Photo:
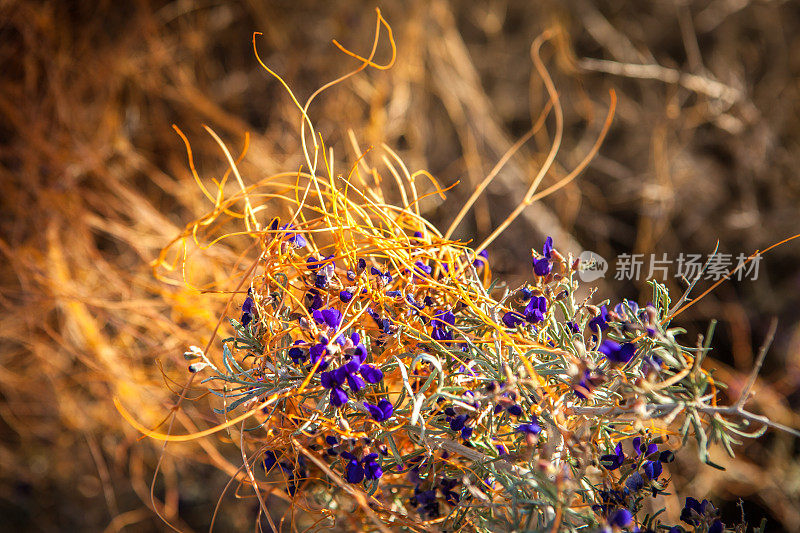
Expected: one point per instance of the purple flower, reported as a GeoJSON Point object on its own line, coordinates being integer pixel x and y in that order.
{"type": "Point", "coordinates": [338, 397]}
{"type": "Point", "coordinates": [652, 469]}
{"type": "Point", "coordinates": [638, 448]}
{"type": "Point", "coordinates": [269, 460]}
{"type": "Point", "coordinates": [586, 385]}
{"type": "Point", "coordinates": [330, 379]}
{"type": "Point", "coordinates": [359, 351]}
{"type": "Point", "coordinates": [345, 296]}
{"type": "Point", "coordinates": [247, 305]}
{"type": "Point", "coordinates": [620, 518]}
{"type": "Point", "coordinates": [530, 428]}
{"type": "Point", "coordinates": [384, 324]}
{"type": "Point", "coordinates": [666, 456]}
{"type": "Point", "coordinates": [542, 267]}
{"type": "Point", "coordinates": [332, 443]}
{"type": "Point", "coordinates": [694, 513]}
{"type": "Point", "coordinates": [515, 410]}
{"type": "Point", "coordinates": [371, 374]}
{"type": "Point", "coordinates": [621, 309]}
{"type": "Point", "coordinates": [615, 460]}
{"type": "Point", "coordinates": [318, 352]}
{"type": "Point", "coordinates": [381, 412]}
{"type": "Point", "coordinates": [314, 264]}
{"type": "Point", "coordinates": [440, 321]}
{"type": "Point", "coordinates": [354, 473]}
{"type": "Point", "coordinates": [313, 300]}
{"type": "Point", "coordinates": [334, 379]}
{"type": "Point", "coordinates": [354, 381]}
{"type": "Point", "coordinates": [616, 352]}
{"type": "Point", "coordinates": [442, 318]}
{"type": "Point", "coordinates": [425, 502]}
{"type": "Point", "coordinates": [415, 304]}
{"type": "Point", "coordinates": [330, 317]}
{"type": "Point", "coordinates": [372, 469]}
{"type": "Point", "coordinates": [535, 310]}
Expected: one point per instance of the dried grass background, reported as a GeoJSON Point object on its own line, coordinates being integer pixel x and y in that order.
{"type": "Point", "coordinates": [705, 147]}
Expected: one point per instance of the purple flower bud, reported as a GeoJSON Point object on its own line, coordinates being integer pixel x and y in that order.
{"type": "Point", "coordinates": [247, 305]}
{"type": "Point", "coordinates": [512, 319]}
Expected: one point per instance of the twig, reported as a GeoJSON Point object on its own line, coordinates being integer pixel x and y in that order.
{"type": "Point", "coordinates": [664, 409]}
{"type": "Point", "coordinates": [693, 82]}
{"type": "Point", "coordinates": [762, 353]}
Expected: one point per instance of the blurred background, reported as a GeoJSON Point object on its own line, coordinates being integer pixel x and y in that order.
{"type": "Point", "coordinates": [704, 148]}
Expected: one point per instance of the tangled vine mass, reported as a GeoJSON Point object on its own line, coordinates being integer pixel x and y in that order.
{"type": "Point", "coordinates": [377, 376]}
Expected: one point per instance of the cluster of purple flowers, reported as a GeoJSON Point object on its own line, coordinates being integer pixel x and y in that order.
{"type": "Point", "coordinates": [695, 513]}
{"type": "Point", "coordinates": [356, 470]}
{"type": "Point", "coordinates": [426, 501]}
{"type": "Point", "coordinates": [533, 312]}
{"type": "Point", "coordinates": [349, 373]}
{"type": "Point", "coordinates": [652, 467]}
{"type": "Point", "coordinates": [368, 468]}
